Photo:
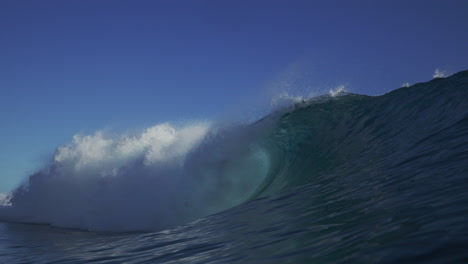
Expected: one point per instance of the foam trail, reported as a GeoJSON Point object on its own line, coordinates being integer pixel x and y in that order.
{"type": "Point", "coordinates": [163, 177]}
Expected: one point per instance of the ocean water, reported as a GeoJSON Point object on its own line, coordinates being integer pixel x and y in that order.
{"type": "Point", "coordinates": [332, 179]}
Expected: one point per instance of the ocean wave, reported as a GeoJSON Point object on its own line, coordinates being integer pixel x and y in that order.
{"type": "Point", "coordinates": [170, 175]}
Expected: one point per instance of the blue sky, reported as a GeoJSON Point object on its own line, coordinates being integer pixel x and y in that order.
{"type": "Point", "coordinates": [70, 67]}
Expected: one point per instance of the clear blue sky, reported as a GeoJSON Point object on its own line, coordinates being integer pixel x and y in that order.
{"type": "Point", "coordinates": [77, 66]}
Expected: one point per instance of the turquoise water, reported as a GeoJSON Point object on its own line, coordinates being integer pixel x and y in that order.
{"type": "Point", "coordinates": [346, 179]}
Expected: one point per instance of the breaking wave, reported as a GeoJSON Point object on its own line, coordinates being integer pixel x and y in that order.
{"type": "Point", "coordinates": [163, 177]}
{"type": "Point", "coordinates": [170, 175]}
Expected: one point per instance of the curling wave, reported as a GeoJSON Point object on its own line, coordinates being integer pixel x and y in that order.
{"type": "Point", "coordinates": [167, 176]}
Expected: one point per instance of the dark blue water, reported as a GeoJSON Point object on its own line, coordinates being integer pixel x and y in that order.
{"type": "Point", "coordinates": [350, 179]}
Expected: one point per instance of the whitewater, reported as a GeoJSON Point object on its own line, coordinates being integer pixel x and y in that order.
{"type": "Point", "coordinates": [336, 178]}
{"type": "Point", "coordinates": [163, 177]}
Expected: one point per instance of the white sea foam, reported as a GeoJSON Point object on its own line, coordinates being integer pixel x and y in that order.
{"type": "Point", "coordinates": [439, 74]}
{"type": "Point", "coordinates": [337, 91]}
{"type": "Point", "coordinates": [4, 199]}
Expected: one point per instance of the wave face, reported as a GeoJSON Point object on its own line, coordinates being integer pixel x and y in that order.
{"type": "Point", "coordinates": [411, 134]}
{"type": "Point", "coordinates": [382, 157]}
